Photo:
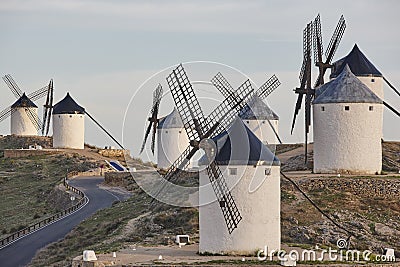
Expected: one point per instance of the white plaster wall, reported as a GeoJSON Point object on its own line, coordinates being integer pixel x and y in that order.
{"type": "Point", "coordinates": [69, 131]}
{"type": "Point", "coordinates": [263, 130]}
{"type": "Point", "coordinates": [21, 124]}
{"type": "Point", "coordinates": [260, 210]}
{"type": "Point", "coordinates": [373, 83]}
{"type": "Point", "coordinates": [348, 141]}
{"type": "Point", "coordinates": [171, 142]}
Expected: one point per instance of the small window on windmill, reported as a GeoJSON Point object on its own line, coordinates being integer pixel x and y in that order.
{"type": "Point", "coordinates": [232, 171]}
{"type": "Point", "coordinates": [323, 108]}
{"type": "Point", "coordinates": [371, 108]}
{"type": "Point", "coordinates": [180, 131]}
{"type": "Point", "coordinates": [346, 107]}
{"type": "Point", "coordinates": [267, 171]}
{"type": "Point", "coordinates": [263, 122]}
{"type": "Point", "coordinates": [247, 121]}
{"type": "Point", "coordinates": [59, 116]}
{"type": "Point", "coordinates": [166, 131]}
{"type": "Point", "coordinates": [70, 116]}
{"type": "Point", "coordinates": [372, 80]}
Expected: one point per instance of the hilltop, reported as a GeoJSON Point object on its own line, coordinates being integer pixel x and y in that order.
{"type": "Point", "coordinates": [366, 206]}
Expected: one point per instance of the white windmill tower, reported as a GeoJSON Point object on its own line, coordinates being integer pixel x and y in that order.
{"type": "Point", "coordinates": [68, 124]}
{"type": "Point", "coordinates": [238, 218]}
{"type": "Point", "coordinates": [362, 68]}
{"type": "Point", "coordinates": [253, 174]}
{"type": "Point", "coordinates": [24, 112]}
{"type": "Point", "coordinates": [171, 139]}
{"type": "Point", "coordinates": [348, 120]}
{"type": "Point", "coordinates": [260, 118]}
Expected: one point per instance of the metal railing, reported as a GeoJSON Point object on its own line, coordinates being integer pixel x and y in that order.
{"type": "Point", "coordinates": [49, 220]}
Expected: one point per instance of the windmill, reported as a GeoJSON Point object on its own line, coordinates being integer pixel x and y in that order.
{"type": "Point", "coordinates": [199, 130]}
{"type": "Point", "coordinates": [310, 33]}
{"type": "Point", "coordinates": [153, 119]}
{"type": "Point", "coordinates": [33, 117]}
{"type": "Point", "coordinates": [222, 84]}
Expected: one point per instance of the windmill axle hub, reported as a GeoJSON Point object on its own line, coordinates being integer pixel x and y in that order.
{"type": "Point", "coordinates": [194, 143]}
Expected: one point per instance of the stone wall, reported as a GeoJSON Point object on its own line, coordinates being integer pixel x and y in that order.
{"type": "Point", "coordinates": [113, 153]}
{"type": "Point", "coordinates": [23, 153]}
{"type": "Point", "coordinates": [115, 178]}
{"type": "Point", "coordinates": [386, 188]}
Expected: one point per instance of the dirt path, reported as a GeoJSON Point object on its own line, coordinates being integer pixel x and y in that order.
{"type": "Point", "coordinates": [284, 157]}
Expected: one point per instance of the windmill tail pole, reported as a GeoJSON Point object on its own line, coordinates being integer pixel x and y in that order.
{"type": "Point", "coordinates": [391, 86]}
{"type": "Point", "coordinates": [101, 127]}
{"type": "Point", "coordinates": [273, 129]}
{"type": "Point", "coordinates": [391, 108]}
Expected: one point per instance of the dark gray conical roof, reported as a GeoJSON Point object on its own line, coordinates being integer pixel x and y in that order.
{"type": "Point", "coordinates": [172, 120]}
{"type": "Point", "coordinates": [23, 102]}
{"type": "Point", "coordinates": [346, 88]}
{"type": "Point", "coordinates": [358, 63]}
{"type": "Point", "coordinates": [256, 109]}
{"type": "Point", "coordinates": [239, 146]}
{"type": "Point", "coordinates": [68, 106]}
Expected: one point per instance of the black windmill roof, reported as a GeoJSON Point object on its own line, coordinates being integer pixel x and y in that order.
{"type": "Point", "coordinates": [346, 88]}
{"type": "Point", "coordinates": [358, 63]}
{"type": "Point", "coordinates": [239, 146]}
{"type": "Point", "coordinates": [68, 106]}
{"type": "Point", "coordinates": [23, 102]}
{"type": "Point", "coordinates": [256, 109]}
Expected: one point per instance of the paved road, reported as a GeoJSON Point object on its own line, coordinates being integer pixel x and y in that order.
{"type": "Point", "coordinates": [21, 252]}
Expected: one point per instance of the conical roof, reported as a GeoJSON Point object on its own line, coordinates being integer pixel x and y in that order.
{"type": "Point", "coordinates": [68, 106]}
{"type": "Point", "coordinates": [358, 63]}
{"type": "Point", "coordinates": [23, 102]}
{"type": "Point", "coordinates": [256, 109]}
{"type": "Point", "coordinates": [346, 88]}
{"type": "Point", "coordinates": [172, 120]}
{"type": "Point", "coordinates": [239, 146]}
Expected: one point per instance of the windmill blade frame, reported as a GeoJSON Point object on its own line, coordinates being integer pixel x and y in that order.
{"type": "Point", "coordinates": [8, 79]}
{"type": "Point", "coordinates": [34, 118]}
{"type": "Point", "coordinates": [153, 119]}
{"type": "Point", "coordinates": [48, 107]}
{"type": "Point", "coordinates": [157, 96]}
{"type": "Point", "coordinates": [222, 84]}
{"type": "Point", "coordinates": [227, 204]}
{"type": "Point", "coordinates": [332, 47]}
{"type": "Point", "coordinates": [186, 103]}
{"type": "Point", "coordinates": [38, 94]}
{"type": "Point", "coordinates": [305, 72]}
{"type": "Point", "coordinates": [5, 113]}
{"type": "Point", "coordinates": [317, 40]}
{"type": "Point", "coordinates": [335, 40]}
{"type": "Point", "coordinates": [268, 87]}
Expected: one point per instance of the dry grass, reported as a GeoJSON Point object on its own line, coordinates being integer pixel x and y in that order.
{"type": "Point", "coordinates": [29, 188]}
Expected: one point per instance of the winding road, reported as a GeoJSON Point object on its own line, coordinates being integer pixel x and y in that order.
{"type": "Point", "coordinates": [22, 251]}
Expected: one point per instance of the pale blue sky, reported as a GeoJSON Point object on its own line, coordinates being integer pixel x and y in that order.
{"type": "Point", "coordinates": [102, 51]}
